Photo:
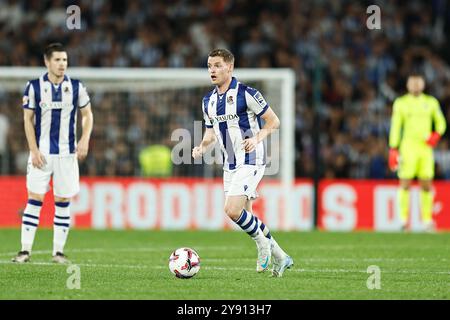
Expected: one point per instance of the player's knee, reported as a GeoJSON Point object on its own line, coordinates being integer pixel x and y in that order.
{"type": "Point", "coordinates": [59, 199]}
{"type": "Point", "coordinates": [36, 196]}
{"type": "Point", "coordinates": [405, 185]}
{"type": "Point", "coordinates": [232, 211]}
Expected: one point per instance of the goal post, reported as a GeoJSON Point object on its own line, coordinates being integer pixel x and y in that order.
{"type": "Point", "coordinates": [163, 92]}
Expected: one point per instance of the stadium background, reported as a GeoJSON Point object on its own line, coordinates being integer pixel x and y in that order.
{"type": "Point", "coordinates": [362, 72]}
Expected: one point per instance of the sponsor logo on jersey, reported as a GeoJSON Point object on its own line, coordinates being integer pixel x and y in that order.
{"type": "Point", "coordinates": [55, 105]}
{"type": "Point", "coordinates": [226, 117]}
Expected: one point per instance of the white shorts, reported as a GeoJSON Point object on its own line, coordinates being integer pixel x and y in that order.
{"type": "Point", "coordinates": [64, 170]}
{"type": "Point", "coordinates": [243, 181]}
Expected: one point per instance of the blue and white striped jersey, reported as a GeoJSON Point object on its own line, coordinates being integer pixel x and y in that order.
{"type": "Point", "coordinates": [55, 108]}
{"type": "Point", "coordinates": [235, 116]}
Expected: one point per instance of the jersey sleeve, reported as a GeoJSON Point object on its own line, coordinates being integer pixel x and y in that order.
{"type": "Point", "coordinates": [440, 124]}
{"type": "Point", "coordinates": [256, 101]}
{"type": "Point", "coordinates": [396, 125]}
{"type": "Point", "coordinates": [83, 96]}
{"type": "Point", "coordinates": [206, 119]}
{"type": "Point", "coordinates": [28, 101]}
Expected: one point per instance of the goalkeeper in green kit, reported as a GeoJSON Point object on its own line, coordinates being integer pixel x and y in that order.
{"type": "Point", "coordinates": [417, 124]}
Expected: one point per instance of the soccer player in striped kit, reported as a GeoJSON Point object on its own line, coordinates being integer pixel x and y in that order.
{"type": "Point", "coordinates": [50, 105]}
{"type": "Point", "coordinates": [232, 115]}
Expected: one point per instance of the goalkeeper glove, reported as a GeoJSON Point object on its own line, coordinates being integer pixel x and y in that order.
{"type": "Point", "coordinates": [433, 139]}
{"type": "Point", "coordinates": [393, 159]}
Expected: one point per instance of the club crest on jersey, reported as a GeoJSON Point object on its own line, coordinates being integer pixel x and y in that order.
{"type": "Point", "coordinates": [230, 100]}
{"type": "Point", "coordinates": [66, 90]}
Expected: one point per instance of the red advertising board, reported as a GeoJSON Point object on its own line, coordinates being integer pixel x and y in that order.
{"type": "Point", "coordinates": [372, 205]}
{"type": "Point", "coordinates": [184, 203]}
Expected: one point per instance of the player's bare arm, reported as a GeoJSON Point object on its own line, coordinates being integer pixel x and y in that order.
{"type": "Point", "coordinates": [37, 158]}
{"type": "Point", "coordinates": [271, 123]}
{"type": "Point", "coordinates": [87, 121]}
{"type": "Point", "coordinates": [208, 138]}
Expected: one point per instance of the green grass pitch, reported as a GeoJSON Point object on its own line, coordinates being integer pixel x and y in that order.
{"type": "Point", "coordinates": [134, 265]}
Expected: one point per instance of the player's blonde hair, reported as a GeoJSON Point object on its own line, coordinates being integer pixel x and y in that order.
{"type": "Point", "coordinates": [227, 56]}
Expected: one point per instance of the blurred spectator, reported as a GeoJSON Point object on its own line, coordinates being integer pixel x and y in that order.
{"type": "Point", "coordinates": [442, 158]}
{"type": "Point", "coordinates": [363, 70]}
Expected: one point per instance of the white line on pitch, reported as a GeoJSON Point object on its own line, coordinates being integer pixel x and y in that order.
{"type": "Point", "coordinates": [233, 268]}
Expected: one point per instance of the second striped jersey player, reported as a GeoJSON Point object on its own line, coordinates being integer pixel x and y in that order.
{"type": "Point", "coordinates": [55, 108]}
{"type": "Point", "coordinates": [50, 106]}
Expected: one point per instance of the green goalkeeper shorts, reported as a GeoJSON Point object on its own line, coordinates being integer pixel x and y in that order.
{"type": "Point", "coordinates": [416, 161]}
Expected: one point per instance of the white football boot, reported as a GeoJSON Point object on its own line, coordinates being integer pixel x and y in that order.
{"type": "Point", "coordinates": [264, 253]}
{"type": "Point", "coordinates": [22, 257]}
{"type": "Point", "coordinates": [281, 261]}
{"type": "Point", "coordinates": [60, 258]}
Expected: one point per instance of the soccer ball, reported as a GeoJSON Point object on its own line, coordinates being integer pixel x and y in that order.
{"type": "Point", "coordinates": [184, 263]}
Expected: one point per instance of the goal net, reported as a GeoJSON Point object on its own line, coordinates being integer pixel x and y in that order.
{"type": "Point", "coordinates": [138, 108]}
{"type": "Point", "coordinates": [135, 108]}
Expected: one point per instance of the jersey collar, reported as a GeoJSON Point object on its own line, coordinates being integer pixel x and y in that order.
{"type": "Point", "coordinates": [233, 85]}
{"type": "Point", "coordinates": [47, 79]}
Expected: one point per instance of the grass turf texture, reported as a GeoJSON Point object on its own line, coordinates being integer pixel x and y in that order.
{"type": "Point", "coordinates": [134, 265]}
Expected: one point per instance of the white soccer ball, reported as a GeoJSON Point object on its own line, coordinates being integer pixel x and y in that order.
{"type": "Point", "coordinates": [184, 263]}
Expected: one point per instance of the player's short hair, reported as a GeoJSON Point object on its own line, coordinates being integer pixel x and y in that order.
{"type": "Point", "coordinates": [53, 47]}
{"type": "Point", "coordinates": [227, 56]}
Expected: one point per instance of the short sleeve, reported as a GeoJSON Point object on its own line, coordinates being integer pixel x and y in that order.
{"type": "Point", "coordinates": [28, 101]}
{"type": "Point", "coordinates": [208, 123]}
{"type": "Point", "coordinates": [256, 101]}
{"type": "Point", "coordinates": [83, 96]}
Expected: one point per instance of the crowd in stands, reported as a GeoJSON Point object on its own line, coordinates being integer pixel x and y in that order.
{"type": "Point", "coordinates": [361, 71]}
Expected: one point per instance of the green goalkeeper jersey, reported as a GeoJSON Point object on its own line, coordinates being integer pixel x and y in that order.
{"type": "Point", "coordinates": [413, 117]}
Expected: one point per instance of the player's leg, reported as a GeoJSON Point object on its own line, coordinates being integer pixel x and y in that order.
{"type": "Point", "coordinates": [30, 222]}
{"type": "Point", "coordinates": [281, 260]}
{"type": "Point", "coordinates": [37, 186]}
{"type": "Point", "coordinates": [403, 200]}
{"type": "Point", "coordinates": [234, 208]}
{"type": "Point", "coordinates": [262, 226]}
{"type": "Point", "coordinates": [408, 168]}
{"type": "Point", "coordinates": [66, 186]}
{"type": "Point", "coordinates": [61, 225]}
{"type": "Point", "coordinates": [426, 174]}
{"type": "Point", "coordinates": [240, 185]}
{"type": "Point", "coordinates": [426, 203]}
